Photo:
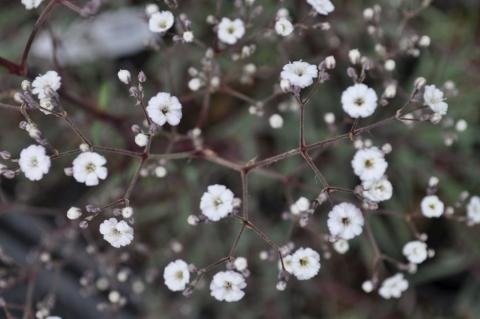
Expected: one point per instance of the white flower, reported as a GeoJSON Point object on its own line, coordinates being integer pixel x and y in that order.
{"type": "Point", "coordinates": [141, 139]}
{"type": "Point", "coordinates": [195, 84]}
{"type": "Point", "coordinates": [359, 101]}
{"type": "Point", "coordinates": [117, 233]}
{"type": "Point", "coordinates": [415, 251]}
{"type": "Point", "coordinates": [299, 73]}
{"type": "Point", "coordinates": [164, 108]}
{"type": "Point", "coordinates": [300, 206]}
{"type": "Point", "coordinates": [345, 221]}
{"type": "Point", "coordinates": [160, 22]}
{"type": "Point", "coordinates": [322, 6]}
{"type": "Point", "coordinates": [369, 164]}
{"type": "Point", "coordinates": [88, 168]}
{"type": "Point", "coordinates": [74, 213]}
{"type": "Point", "coordinates": [287, 262]}
{"type": "Point", "coordinates": [227, 286]}
{"type": "Point", "coordinates": [34, 162]}
{"type": "Point", "coordinates": [473, 209]}
{"type": "Point", "coordinates": [354, 56]}
{"type": "Point", "coordinates": [31, 4]}
{"type": "Point", "coordinates": [150, 9]}
{"type": "Point", "coordinates": [283, 27]}
{"type": "Point", "coordinates": [42, 84]}
{"type": "Point", "coordinates": [124, 76]}
{"type": "Point", "coordinates": [341, 246]}
{"type": "Point", "coordinates": [176, 275]}
{"type": "Point", "coordinates": [377, 190]}
{"type": "Point", "coordinates": [305, 263]}
{"type": "Point", "coordinates": [187, 36]}
{"type": "Point", "coordinates": [434, 98]}
{"type": "Point", "coordinates": [230, 31]}
{"type": "Point", "coordinates": [240, 263]}
{"type": "Point", "coordinates": [393, 287]}
{"type": "Point", "coordinates": [432, 206]}
{"type": "Point", "coordinates": [217, 202]}
{"type": "Point", "coordinates": [275, 121]}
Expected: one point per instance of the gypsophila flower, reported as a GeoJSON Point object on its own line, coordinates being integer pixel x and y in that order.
{"type": "Point", "coordinates": [275, 121]}
{"type": "Point", "coordinates": [299, 74]}
{"type": "Point", "coordinates": [150, 9]}
{"type": "Point", "coordinates": [34, 162]}
{"type": "Point", "coordinates": [300, 206]}
{"type": "Point", "coordinates": [164, 108]}
{"type": "Point", "coordinates": [323, 7]}
{"type": "Point", "coordinates": [240, 263]}
{"type": "Point", "coordinates": [415, 251]}
{"type": "Point", "coordinates": [217, 202]}
{"type": "Point", "coordinates": [88, 168]}
{"type": "Point", "coordinates": [434, 98]}
{"type": "Point", "coordinates": [367, 286]}
{"type": "Point", "coordinates": [345, 221]}
{"type": "Point", "coordinates": [124, 76]}
{"type": "Point", "coordinates": [116, 233]}
{"type": "Point", "coordinates": [305, 263]}
{"type": "Point", "coordinates": [393, 286]}
{"type": "Point", "coordinates": [230, 31]}
{"type": "Point", "coordinates": [176, 275]}
{"type": "Point", "coordinates": [42, 84]}
{"type": "Point", "coordinates": [160, 22]}
{"type": "Point", "coordinates": [227, 286]}
{"type": "Point", "coordinates": [359, 101]}
{"type": "Point", "coordinates": [141, 139]}
{"type": "Point", "coordinates": [31, 4]}
{"type": "Point", "coordinates": [195, 84]}
{"type": "Point", "coordinates": [473, 209]}
{"type": "Point", "coordinates": [187, 36]}
{"type": "Point", "coordinates": [74, 213]}
{"type": "Point", "coordinates": [341, 246]}
{"type": "Point", "coordinates": [432, 206]}
{"type": "Point", "coordinates": [283, 27]}
{"type": "Point", "coordinates": [369, 164]}
{"type": "Point", "coordinates": [377, 190]}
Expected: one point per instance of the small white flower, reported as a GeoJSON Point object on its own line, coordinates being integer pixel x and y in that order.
{"type": "Point", "coordinates": [434, 98]}
{"type": "Point", "coordinates": [127, 212]}
{"type": "Point", "coordinates": [160, 22]}
{"type": "Point", "coordinates": [240, 263]}
{"type": "Point", "coordinates": [230, 31]}
{"type": "Point", "coordinates": [432, 206]}
{"type": "Point", "coordinates": [345, 221]}
{"type": "Point", "coordinates": [367, 286]}
{"type": "Point", "coordinates": [160, 171]}
{"type": "Point", "coordinates": [359, 101]}
{"type": "Point", "coordinates": [150, 9]}
{"type": "Point", "coordinates": [390, 65]}
{"type": "Point", "coordinates": [341, 246]}
{"type": "Point", "coordinates": [227, 286]}
{"type": "Point", "coordinates": [195, 84]}
{"type": "Point", "coordinates": [283, 27]}
{"type": "Point", "coordinates": [217, 202]}
{"type": "Point", "coordinates": [415, 251]}
{"type": "Point", "coordinates": [141, 139]}
{"type": "Point", "coordinates": [31, 4]}
{"type": "Point", "coordinates": [88, 168]}
{"type": "Point", "coordinates": [299, 74]}
{"type": "Point", "coordinates": [393, 286]}
{"type": "Point", "coordinates": [323, 7]}
{"type": "Point", "coordinates": [287, 262]}
{"type": "Point", "coordinates": [176, 275]}
{"type": "Point", "coordinates": [275, 121]}
{"type": "Point", "coordinates": [164, 108]}
{"type": "Point", "coordinates": [354, 56]}
{"type": "Point", "coordinates": [34, 162]}
{"type": "Point", "coordinates": [42, 84]}
{"type": "Point", "coordinates": [330, 62]}
{"type": "Point", "coordinates": [461, 125]}
{"type": "Point", "coordinates": [369, 164]}
{"type": "Point", "coordinates": [187, 36]}
{"type": "Point", "coordinates": [305, 263]}
{"type": "Point", "coordinates": [117, 233]}
{"type": "Point", "coordinates": [377, 190]}
{"type": "Point", "coordinates": [124, 76]}
{"type": "Point", "coordinates": [300, 206]}
{"type": "Point", "coordinates": [74, 213]}
{"type": "Point", "coordinates": [473, 209]}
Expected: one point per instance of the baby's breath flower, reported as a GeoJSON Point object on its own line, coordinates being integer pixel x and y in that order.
{"type": "Point", "coordinates": [377, 190]}
{"type": "Point", "coordinates": [34, 162]}
{"type": "Point", "coordinates": [299, 74]}
{"type": "Point", "coordinates": [176, 275]}
{"type": "Point", "coordinates": [228, 286]}
{"type": "Point", "coordinates": [434, 98]}
{"type": "Point", "coordinates": [275, 121]}
{"type": "Point", "coordinates": [42, 84]}
{"type": "Point", "coordinates": [432, 206]}
{"type": "Point", "coordinates": [473, 210]}
{"type": "Point", "coordinates": [345, 221]}
{"type": "Point", "coordinates": [341, 246]}
{"type": "Point", "coordinates": [160, 22]}
{"type": "Point", "coordinates": [74, 213]}
{"type": "Point", "coordinates": [323, 7]}
{"type": "Point", "coordinates": [88, 168]}
{"type": "Point", "coordinates": [415, 251]}
{"type": "Point", "coordinates": [283, 27]}
{"type": "Point", "coordinates": [359, 101]}
{"type": "Point", "coordinates": [300, 206]}
{"type": "Point", "coordinates": [141, 139]}
{"type": "Point", "coordinates": [230, 31]}
{"type": "Point", "coordinates": [187, 36]}
{"type": "Point", "coordinates": [116, 233]}
{"type": "Point", "coordinates": [393, 287]}
{"type": "Point", "coordinates": [124, 76]}
{"type": "Point", "coordinates": [164, 108]}
{"type": "Point", "coordinates": [369, 164]}
{"type": "Point", "coordinates": [217, 202]}
{"type": "Point", "coordinates": [305, 263]}
{"type": "Point", "coordinates": [31, 4]}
